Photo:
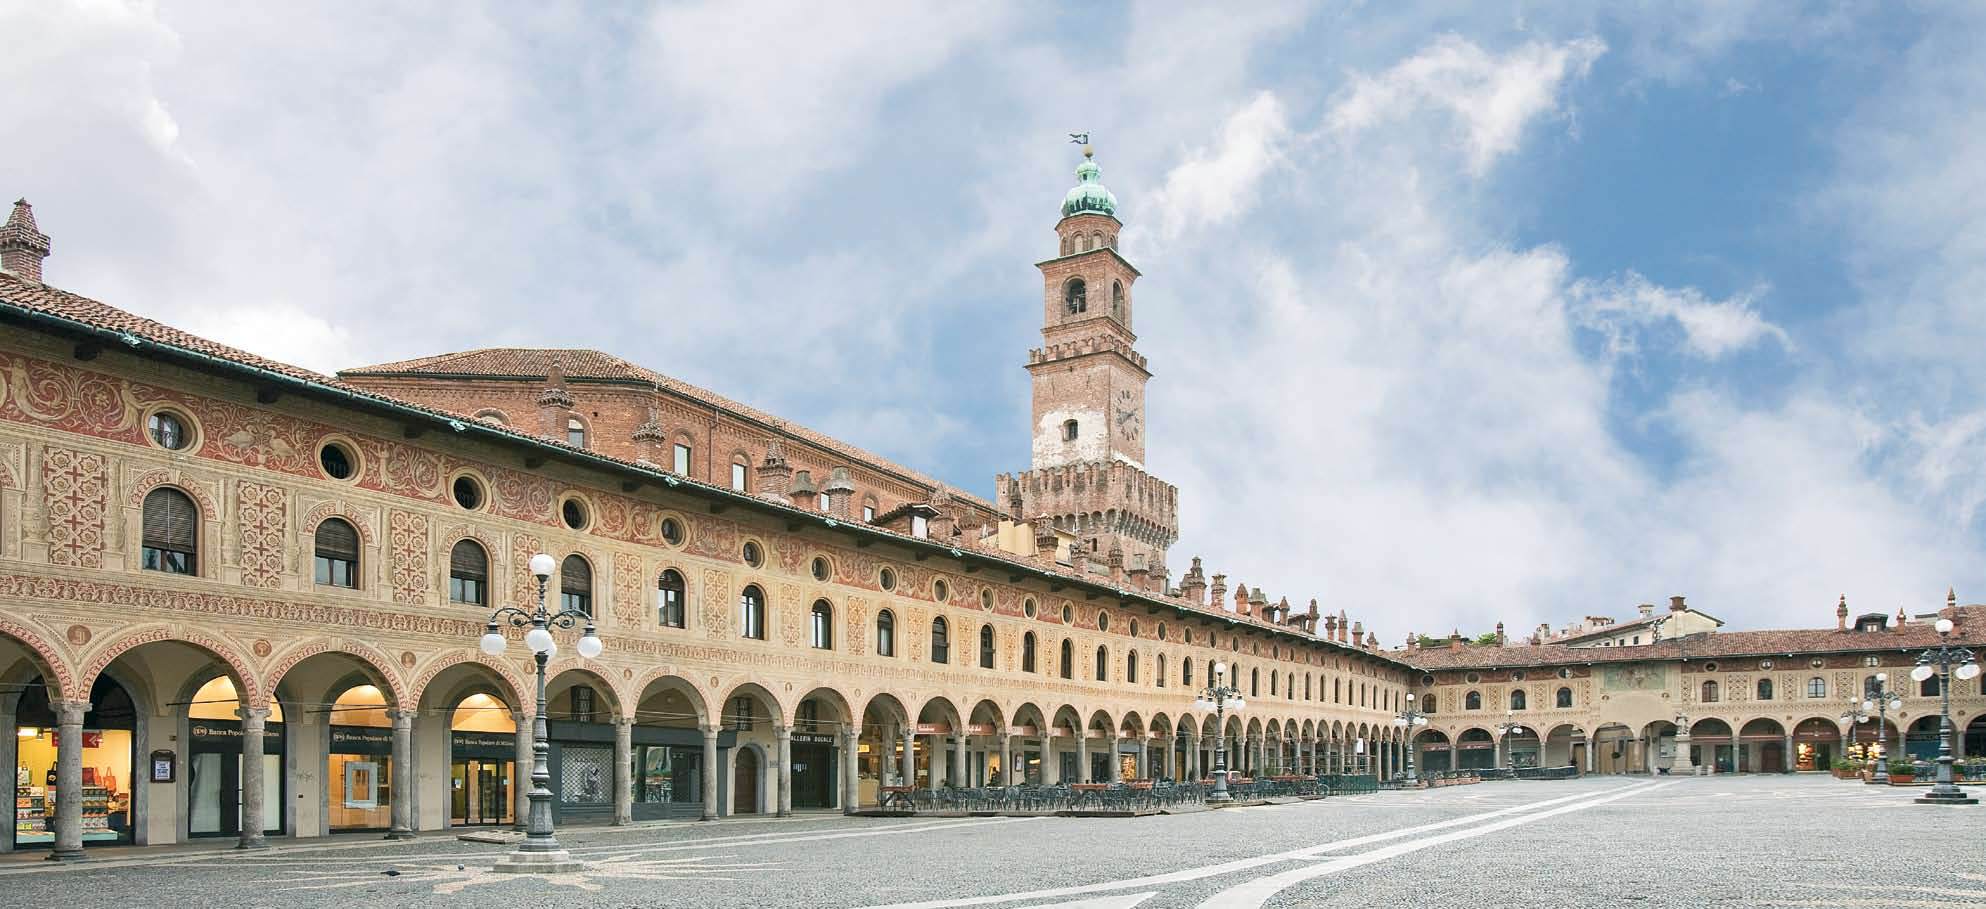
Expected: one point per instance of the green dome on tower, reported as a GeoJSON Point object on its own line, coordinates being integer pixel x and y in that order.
{"type": "Point", "coordinates": [1089, 194]}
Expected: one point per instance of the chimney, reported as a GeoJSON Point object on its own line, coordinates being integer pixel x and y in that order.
{"type": "Point", "coordinates": [1283, 610]}
{"type": "Point", "coordinates": [1258, 604]}
{"type": "Point", "coordinates": [22, 245]}
{"type": "Point", "coordinates": [554, 404]}
{"type": "Point", "coordinates": [1901, 618]}
{"type": "Point", "coordinates": [1676, 605]}
{"type": "Point", "coordinates": [1139, 574]}
{"type": "Point", "coordinates": [1544, 632]}
{"type": "Point", "coordinates": [1330, 628]}
{"type": "Point", "coordinates": [1310, 620]}
{"type": "Point", "coordinates": [1951, 603]}
{"type": "Point", "coordinates": [1455, 639]}
{"type": "Point", "coordinates": [1413, 641]}
{"type": "Point", "coordinates": [1194, 585]}
{"type": "Point", "coordinates": [1116, 563]}
{"type": "Point", "coordinates": [1044, 537]}
{"type": "Point", "coordinates": [839, 491]}
{"type": "Point", "coordinates": [803, 492]}
{"type": "Point", "coordinates": [1500, 639]}
{"type": "Point", "coordinates": [774, 474]}
{"type": "Point", "coordinates": [1372, 640]}
{"type": "Point", "coordinates": [1217, 594]}
{"type": "Point", "coordinates": [1841, 614]}
{"type": "Point", "coordinates": [941, 525]}
{"type": "Point", "coordinates": [1646, 609]}
{"type": "Point", "coordinates": [1358, 634]}
{"type": "Point", "coordinates": [648, 438]}
{"type": "Point", "coordinates": [1344, 625]}
{"type": "Point", "coordinates": [1241, 604]}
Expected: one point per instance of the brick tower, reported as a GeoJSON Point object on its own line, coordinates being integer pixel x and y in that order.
{"type": "Point", "coordinates": [1088, 474]}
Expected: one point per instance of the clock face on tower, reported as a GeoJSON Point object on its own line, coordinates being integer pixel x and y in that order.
{"type": "Point", "coordinates": [1127, 415]}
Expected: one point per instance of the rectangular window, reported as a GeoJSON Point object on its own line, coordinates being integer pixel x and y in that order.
{"type": "Point", "coordinates": [682, 459]}
{"type": "Point", "coordinates": [465, 590]}
{"type": "Point", "coordinates": [821, 501]}
{"type": "Point", "coordinates": [168, 561]}
{"type": "Point", "coordinates": [669, 609]}
{"type": "Point", "coordinates": [868, 514]}
{"type": "Point", "coordinates": [582, 704]}
{"type": "Point", "coordinates": [738, 477]}
{"type": "Point", "coordinates": [919, 527]}
{"type": "Point", "coordinates": [337, 572]}
{"type": "Point", "coordinates": [741, 714]}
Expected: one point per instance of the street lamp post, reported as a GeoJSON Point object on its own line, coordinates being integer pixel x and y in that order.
{"type": "Point", "coordinates": [1880, 700]}
{"type": "Point", "coordinates": [1219, 697]}
{"type": "Point", "coordinates": [1946, 661]}
{"type": "Point", "coordinates": [1854, 716]}
{"type": "Point", "coordinates": [1410, 719]}
{"type": "Point", "coordinates": [540, 852]}
{"type": "Point", "coordinates": [1504, 730]}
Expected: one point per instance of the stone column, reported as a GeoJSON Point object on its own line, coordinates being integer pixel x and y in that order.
{"type": "Point", "coordinates": [403, 774]}
{"type": "Point", "coordinates": [623, 771]}
{"type": "Point", "coordinates": [784, 806]}
{"type": "Point", "coordinates": [1083, 756]}
{"type": "Point", "coordinates": [710, 771]}
{"type": "Point", "coordinates": [1113, 760]}
{"type": "Point", "coordinates": [1192, 758]}
{"type": "Point", "coordinates": [9, 757]}
{"type": "Point", "coordinates": [520, 777]}
{"type": "Point", "coordinates": [1007, 776]}
{"type": "Point", "coordinates": [1051, 762]}
{"type": "Point", "coordinates": [961, 767]}
{"type": "Point", "coordinates": [908, 765]}
{"type": "Point", "coordinates": [69, 781]}
{"type": "Point", "coordinates": [851, 768]}
{"type": "Point", "coordinates": [253, 723]}
{"type": "Point", "coordinates": [1787, 758]}
{"type": "Point", "coordinates": [1592, 755]}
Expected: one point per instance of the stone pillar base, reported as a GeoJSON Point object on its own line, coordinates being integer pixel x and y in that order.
{"type": "Point", "coordinates": [76, 856]}
{"type": "Point", "coordinates": [398, 835]}
{"type": "Point", "coordinates": [555, 862]}
{"type": "Point", "coordinates": [1956, 798]}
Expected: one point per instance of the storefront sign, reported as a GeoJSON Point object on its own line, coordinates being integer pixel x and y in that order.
{"type": "Point", "coordinates": [1024, 730]}
{"type": "Point", "coordinates": [802, 738]}
{"type": "Point", "coordinates": [227, 734]}
{"type": "Point", "coordinates": [164, 766]}
{"type": "Point", "coordinates": [361, 740]}
{"type": "Point", "coordinates": [979, 729]}
{"type": "Point", "coordinates": [932, 728]}
{"type": "Point", "coordinates": [483, 741]}
{"type": "Point", "coordinates": [92, 738]}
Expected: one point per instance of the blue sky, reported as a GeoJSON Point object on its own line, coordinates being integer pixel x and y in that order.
{"type": "Point", "coordinates": [1515, 312]}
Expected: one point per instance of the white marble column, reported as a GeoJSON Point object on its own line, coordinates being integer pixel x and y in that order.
{"type": "Point", "coordinates": [402, 806]}
{"type": "Point", "coordinates": [253, 724]}
{"type": "Point", "coordinates": [623, 771]}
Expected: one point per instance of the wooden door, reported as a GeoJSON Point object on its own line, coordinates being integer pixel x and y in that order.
{"type": "Point", "coordinates": [745, 783]}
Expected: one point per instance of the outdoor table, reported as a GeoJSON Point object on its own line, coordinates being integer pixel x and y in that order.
{"type": "Point", "coordinates": [1089, 794]}
{"type": "Point", "coordinates": [897, 797]}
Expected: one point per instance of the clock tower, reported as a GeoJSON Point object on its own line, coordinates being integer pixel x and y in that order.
{"type": "Point", "coordinates": [1089, 428]}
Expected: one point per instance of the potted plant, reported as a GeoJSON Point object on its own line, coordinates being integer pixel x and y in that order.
{"type": "Point", "coordinates": [1902, 772]}
{"type": "Point", "coordinates": [1845, 769]}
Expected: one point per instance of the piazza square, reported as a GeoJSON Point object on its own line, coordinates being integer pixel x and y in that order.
{"type": "Point", "coordinates": [510, 609]}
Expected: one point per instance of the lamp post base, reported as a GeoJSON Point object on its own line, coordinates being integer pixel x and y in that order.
{"type": "Point", "coordinates": [555, 862]}
{"type": "Point", "coordinates": [1954, 797]}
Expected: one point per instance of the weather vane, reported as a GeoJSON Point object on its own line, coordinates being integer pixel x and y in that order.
{"type": "Point", "coordinates": [1079, 138]}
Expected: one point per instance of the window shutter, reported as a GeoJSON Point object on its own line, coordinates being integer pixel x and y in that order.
{"type": "Point", "coordinates": [468, 560]}
{"type": "Point", "coordinates": [576, 576]}
{"type": "Point", "coordinates": [171, 520]}
{"type": "Point", "coordinates": [337, 540]}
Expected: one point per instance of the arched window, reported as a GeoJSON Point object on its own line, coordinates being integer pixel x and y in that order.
{"type": "Point", "coordinates": [172, 531]}
{"type": "Point", "coordinates": [1564, 698]}
{"type": "Point", "coordinates": [1254, 682]}
{"type": "Point", "coordinates": [1427, 703]}
{"type": "Point", "coordinates": [1158, 674]}
{"type": "Point", "coordinates": [669, 593]}
{"type": "Point", "coordinates": [1102, 663]}
{"type": "Point", "coordinates": [821, 618]}
{"type": "Point", "coordinates": [1272, 684]}
{"type": "Point", "coordinates": [337, 545]}
{"type": "Point", "coordinates": [1710, 692]}
{"type": "Point", "coordinates": [986, 647]}
{"type": "Point", "coordinates": [1929, 687]}
{"type": "Point", "coordinates": [1068, 659]}
{"type": "Point", "coordinates": [576, 584]}
{"type": "Point", "coordinates": [941, 641]}
{"type": "Point", "coordinates": [1472, 701]}
{"type": "Point", "coordinates": [1069, 430]}
{"type": "Point", "coordinates": [1765, 689]}
{"type": "Point", "coordinates": [1817, 687]}
{"type": "Point", "coordinates": [575, 432]}
{"type": "Point", "coordinates": [1131, 667]}
{"type": "Point", "coordinates": [468, 573]}
{"type": "Point", "coordinates": [1337, 691]}
{"type": "Point", "coordinates": [1027, 652]}
{"type": "Point", "coordinates": [885, 633]}
{"type": "Point", "coordinates": [1075, 297]}
{"type": "Point", "coordinates": [751, 612]}
{"type": "Point", "coordinates": [1117, 300]}
{"type": "Point", "coordinates": [1517, 699]}
{"type": "Point", "coordinates": [1186, 672]}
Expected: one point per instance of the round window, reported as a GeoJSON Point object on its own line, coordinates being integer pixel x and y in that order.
{"type": "Point", "coordinates": [168, 431]}
{"type": "Point", "coordinates": [754, 555]}
{"type": "Point", "coordinates": [1027, 607]}
{"type": "Point", "coordinates": [1565, 673]}
{"type": "Point", "coordinates": [1816, 662]}
{"type": "Point", "coordinates": [1473, 678]}
{"type": "Point", "coordinates": [820, 568]}
{"type": "Point", "coordinates": [337, 461]}
{"type": "Point", "coordinates": [1134, 628]}
{"type": "Point", "coordinates": [1765, 664]}
{"type": "Point", "coordinates": [1102, 621]}
{"type": "Point", "coordinates": [941, 591]}
{"type": "Point", "coordinates": [986, 598]}
{"type": "Point", "coordinates": [1517, 676]}
{"type": "Point", "coordinates": [1427, 681]}
{"type": "Point", "coordinates": [1161, 631]}
{"type": "Point", "coordinates": [672, 531]}
{"type": "Point", "coordinates": [1710, 667]}
{"type": "Point", "coordinates": [466, 492]}
{"type": "Point", "coordinates": [887, 578]}
{"type": "Point", "coordinates": [1068, 614]}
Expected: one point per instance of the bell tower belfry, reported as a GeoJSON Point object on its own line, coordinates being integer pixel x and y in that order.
{"type": "Point", "coordinates": [1088, 430]}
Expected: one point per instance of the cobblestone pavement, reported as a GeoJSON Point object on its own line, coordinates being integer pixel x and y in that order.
{"type": "Point", "coordinates": [1728, 841]}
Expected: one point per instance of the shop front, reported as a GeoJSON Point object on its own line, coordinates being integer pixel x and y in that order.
{"type": "Point", "coordinates": [814, 763]}
{"type": "Point", "coordinates": [482, 770]}
{"type": "Point", "coordinates": [1815, 745]}
{"type": "Point", "coordinates": [108, 734]}
{"type": "Point", "coordinates": [668, 771]}
{"type": "Point", "coordinates": [360, 780]}
{"type": "Point", "coordinates": [213, 763]}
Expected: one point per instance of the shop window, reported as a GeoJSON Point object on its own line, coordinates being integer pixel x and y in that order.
{"type": "Point", "coordinates": [885, 633]}
{"type": "Point", "coordinates": [107, 765]}
{"type": "Point", "coordinates": [751, 613]}
{"type": "Point", "coordinates": [941, 641]}
{"type": "Point", "coordinates": [1564, 698]}
{"type": "Point", "coordinates": [360, 769]}
{"type": "Point", "coordinates": [669, 594]}
{"type": "Point", "coordinates": [468, 574]}
{"type": "Point", "coordinates": [576, 584]}
{"type": "Point", "coordinates": [337, 551]}
{"type": "Point", "coordinates": [171, 532]}
{"type": "Point", "coordinates": [986, 647]}
{"type": "Point", "coordinates": [822, 623]}
{"type": "Point", "coordinates": [1027, 652]}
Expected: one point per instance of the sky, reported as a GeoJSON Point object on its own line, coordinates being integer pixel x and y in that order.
{"type": "Point", "coordinates": [1458, 313]}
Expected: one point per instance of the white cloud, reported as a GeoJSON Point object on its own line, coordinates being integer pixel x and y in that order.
{"type": "Point", "coordinates": [1214, 185]}
{"type": "Point", "coordinates": [1711, 328]}
{"type": "Point", "coordinates": [1492, 98]}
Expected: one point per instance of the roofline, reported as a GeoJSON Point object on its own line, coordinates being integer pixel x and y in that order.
{"type": "Point", "coordinates": [926, 548]}
{"type": "Point", "coordinates": [1677, 658]}
{"type": "Point", "coordinates": [1109, 249]}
